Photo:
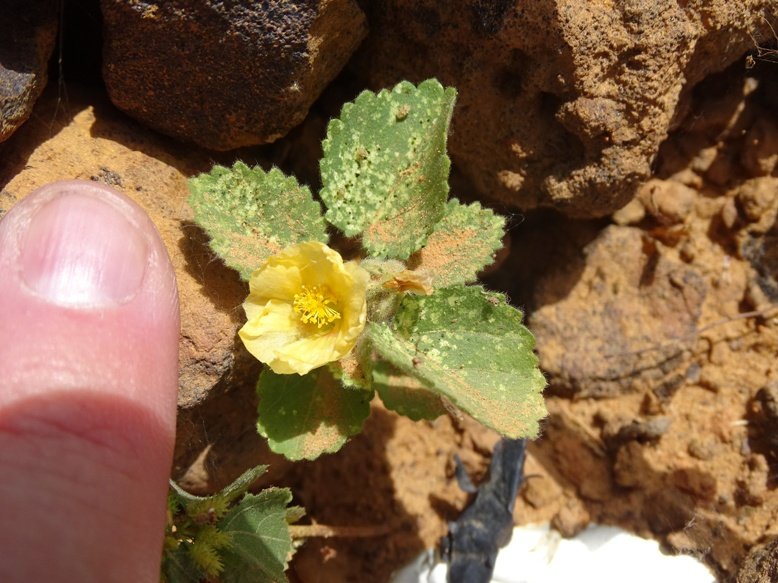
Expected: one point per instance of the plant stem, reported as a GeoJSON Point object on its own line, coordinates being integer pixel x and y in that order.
{"type": "Point", "coordinates": [326, 531]}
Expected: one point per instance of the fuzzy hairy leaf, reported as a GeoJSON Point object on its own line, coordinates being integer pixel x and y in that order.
{"type": "Point", "coordinates": [405, 394]}
{"type": "Point", "coordinates": [470, 346]}
{"type": "Point", "coordinates": [197, 555]}
{"type": "Point", "coordinates": [226, 495]}
{"type": "Point", "coordinates": [241, 484]}
{"type": "Point", "coordinates": [463, 242]}
{"type": "Point", "coordinates": [305, 416]}
{"type": "Point", "coordinates": [206, 555]}
{"type": "Point", "coordinates": [261, 545]}
{"type": "Point", "coordinates": [385, 168]}
{"type": "Point", "coordinates": [251, 214]}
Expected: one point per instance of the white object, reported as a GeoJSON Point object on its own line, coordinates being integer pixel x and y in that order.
{"type": "Point", "coordinates": [605, 554]}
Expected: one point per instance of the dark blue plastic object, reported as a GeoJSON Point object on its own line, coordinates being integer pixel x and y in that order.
{"type": "Point", "coordinates": [473, 540]}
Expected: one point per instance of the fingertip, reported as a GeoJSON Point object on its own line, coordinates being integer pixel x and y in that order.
{"type": "Point", "coordinates": [89, 330]}
{"type": "Point", "coordinates": [87, 284]}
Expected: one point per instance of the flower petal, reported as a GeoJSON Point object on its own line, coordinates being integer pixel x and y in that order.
{"type": "Point", "coordinates": [275, 282]}
{"type": "Point", "coordinates": [319, 265]}
{"type": "Point", "coordinates": [275, 333]}
{"type": "Point", "coordinates": [310, 352]}
{"type": "Point", "coordinates": [273, 327]}
{"type": "Point", "coordinates": [254, 306]}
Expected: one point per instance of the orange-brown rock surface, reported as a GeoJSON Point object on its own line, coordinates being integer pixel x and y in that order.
{"type": "Point", "coordinates": [562, 103]}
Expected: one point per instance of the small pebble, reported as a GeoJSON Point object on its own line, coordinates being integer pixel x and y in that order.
{"type": "Point", "coordinates": [667, 201]}
{"type": "Point", "coordinates": [701, 450]}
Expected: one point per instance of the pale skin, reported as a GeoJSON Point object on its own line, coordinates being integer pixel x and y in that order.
{"type": "Point", "coordinates": [89, 330]}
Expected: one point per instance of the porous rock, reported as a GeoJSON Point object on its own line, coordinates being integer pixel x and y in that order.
{"type": "Point", "coordinates": [668, 201]}
{"type": "Point", "coordinates": [28, 29]}
{"type": "Point", "coordinates": [562, 103]}
{"type": "Point", "coordinates": [758, 199]}
{"type": "Point", "coordinates": [225, 74]}
{"type": "Point", "coordinates": [761, 564]}
{"type": "Point", "coordinates": [622, 321]}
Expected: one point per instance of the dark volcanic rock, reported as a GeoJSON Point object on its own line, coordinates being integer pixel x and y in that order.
{"type": "Point", "coordinates": [761, 564]}
{"type": "Point", "coordinates": [561, 103]}
{"type": "Point", "coordinates": [225, 74]}
{"type": "Point", "coordinates": [28, 29]}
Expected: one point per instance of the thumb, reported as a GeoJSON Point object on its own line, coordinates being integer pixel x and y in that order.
{"type": "Point", "coordinates": [88, 378]}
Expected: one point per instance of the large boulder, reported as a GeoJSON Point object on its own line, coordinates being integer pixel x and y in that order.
{"type": "Point", "coordinates": [28, 30]}
{"type": "Point", "coordinates": [632, 308]}
{"type": "Point", "coordinates": [225, 74]}
{"type": "Point", "coordinates": [561, 103]}
{"type": "Point", "coordinates": [622, 322]}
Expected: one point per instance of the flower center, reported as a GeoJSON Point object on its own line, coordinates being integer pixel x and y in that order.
{"type": "Point", "coordinates": [315, 306]}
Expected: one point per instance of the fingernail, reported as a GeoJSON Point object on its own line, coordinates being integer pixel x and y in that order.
{"type": "Point", "coordinates": [81, 251]}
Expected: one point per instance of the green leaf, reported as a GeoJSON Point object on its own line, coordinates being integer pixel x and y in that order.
{"type": "Point", "coordinates": [261, 545]}
{"type": "Point", "coordinates": [353, 370]}
{"type": "Point", "coordinates": [251, 214]}
{"type": "Point", "coordinates": [385, 167]}
{"type": "Point", "coordinates": [294, 513]}
{"type": "Point", "coordinates": [206, 549]}
{"type": "Point", "coordinates": [305, 416]}
{"type": "Point", "coordinates": [241, 484]}
{"type": "Point", "coordinates": [405, 394]}
{"type": "Point", "coordinates": [463, 242]}
{"type": "Point", "coordinates": [194, 549]}
{"type": "Point", "coordinates": [178, 567]}
{"type": "Point", "coordinates": [468, 345]}
{"type": "Point", "coordinates": [226, 495]}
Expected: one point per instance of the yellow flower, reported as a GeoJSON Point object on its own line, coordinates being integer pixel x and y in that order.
{"type": "Point", "coordinates": [305, 308]}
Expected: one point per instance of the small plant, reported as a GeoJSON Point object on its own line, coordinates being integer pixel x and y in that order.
{"type": "Point", "coordinates": [231, 536]}
{"type": "Point", "coordinates": [401, 318]}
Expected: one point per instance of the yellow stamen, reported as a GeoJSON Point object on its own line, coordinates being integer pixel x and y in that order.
{"type": "Point", "coordinates": [315, 306]}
